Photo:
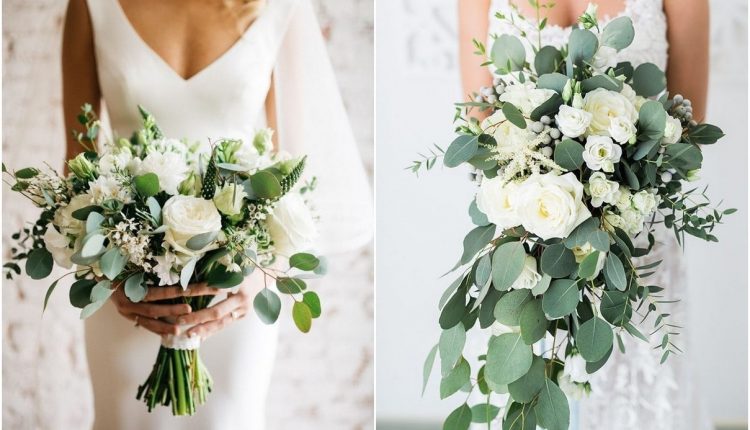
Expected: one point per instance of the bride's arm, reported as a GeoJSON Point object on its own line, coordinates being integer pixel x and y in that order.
{"type": "Point", "coordinates": [80, 83]}
{"type": "Point", "coordinates": [473, 23]}
{"type": "Point", "coordinates": [688, 35]}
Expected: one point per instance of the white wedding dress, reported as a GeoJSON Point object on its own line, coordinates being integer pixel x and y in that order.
{"type": "Point", "coordinates": [225, 99]}
{"type": "Point", "coordinates": [633, 391]}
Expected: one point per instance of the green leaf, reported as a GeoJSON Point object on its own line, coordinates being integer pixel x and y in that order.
{"type": "Point", "coordinates": [582, 45]}
{"type": "Point", "coordinates": [302, 316]}
{"type": "Point", "coordinates": [580, 236]}
{"type": "Point", "coordinates": [652, 119]}
{"type": "Point", "coordinates": [112, 263]}
{"type": "Point", "coordinates": [484, 413]}
{"type": "Point", "coordinates": [459, 419]}
{"type": "Point", "coordinates": [601, 81]}
{"type": "Point", "coordinates": [92, 307]}
{"type": "Point", "coordinates": [618, 34]}
{"type": "Point", "coordinates": [456, 378]}
{"type": "Point", "coordinates": [683, 156]}
{"type": "Point", "coordinates": [80, 292]}
{"type": "Point", "coordinates": [26, 173]}
{"type": "Point", "coordinates": [552, 410]}
{"type": "Point", "coordinates": [525, 389]}
{"type": "Point", "coordinates": [615, 307]}
{"type": "Point", "coordinates": [454, 310]}
{"type": "Point", "coordinates": [267, 305]}
{"type": "Point", "coordinates": [508, 308]}
{"type": "Point", "coordinates": [461, 150]}
{"type": "Point", "coordinates": [484, 271]}
{"type": "Point", "coordinates": [507, 264]}
{"type": "Point", "coordinates": [154, 209]}
{"type": "Point", "coordinates": [83, 213]}
{"type": "Point", "coordinates": [520, 417]}
{"type": "Point", "coordinates": [552, 81]}
{"type": "Point", "coordinates": [477, 217]}
{"type": "Point", "coordinates": [94, 221]}
{"type": "Point", "coordinates": [427, 368]}
{"type": "Point", "coordinates": [561, 298]}
{"type": "Point", "coordinates": [134, 288]}
{"type": "Point", "coordinates": [558, 261]}
{"type": "Point", "coordinates": [587, 268]}
{"type": "Point", "coordinates": [704, 134]}
{"type": "Point", "coordinates": [200, 241]}
{"type": "Point", "coordinates": [507, 50]}
{"type": "Point", "coordinates": [451, 344]}
{"type": "Point", "coordinates": [549, 108]}
{"type": "Point", "coordinates": [614, 273]}
{"type": "Point", "coordinates": [93, 245]}
{"type": "Point", "coordinates": [476, 240]}
{"type": "Point", "coordinates": [265, 185]}
{"type": "Point", "coordinates": [290, 285]}
{"type": "Point", "coordinates": [220, 277]}
{"type": "Point", "coordinates": [593, 339]}
{"type": "Point", "coordinates": [648, 80]}
{"type": "Point", "coordinates": [187, 272]}
{"type": "Point", "coordinates": [313, 302]}
{"type": "Point", "coordinates": [599, 240]}
{"type": "Point", "coordinates": [39, 263]}
{"type": "Point", "coordinates": [547, 60]}
{"type": "Point", "coordinates": [304, 261]}
{"type": "Point", "coordinates": [569, 155]}
{"type": "Point", "coordinates": [147, 185]}
{"type": "Point", "coordinates": [49, 293]}
{"type": "Point", "coordinates": [533, 322]}
{"type": "Point", "coordinates": [514, 115]}
{"type": "Point", "coordinates": [594, 366]}
{"type": "Point", "coordinates": [508, 359]}
{"type": "Point", "coordinates": [101, 291]}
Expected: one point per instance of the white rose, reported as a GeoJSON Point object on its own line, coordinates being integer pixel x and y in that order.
{"type": "Point", "coordinates": [187, 216]}
{"type": "Point", "coordinates": [526, 97]}
{"type": "Point", "coordinates": [495, 200]}
{"type": "Point", "coordinates": [229, 199]}
{"type": "Point", "coordinates": [497, 329]}
{"type": "Point", "coordinates": [58, 245]}
{"type": "Point", "coordinates": [170, 167]}
{"type": "Point", "coordinates": [572, 122]}
{"type": "Point", "coordinates": [64, 216]}
{"type": "Point", "coordinates": [510, 139]}
{"type": "Point", "coordinates": [605, 105]}
{"type": "Point", "coordinates": [601, 153]}
{"type": "Point", "coordinates": [612, 221]}
{"type": "Point", "coordinates": [583, 251]}
{"type": "Point", "coordinates": [550, 205]}
{"type": "Point", "coordinates": [632, 221]}
{"type": "Point", "coordinates": [644, 201]}
{"type": "Point", "coordinates": [571, 389]}
{"type": "Point", "coordinates": [602, 190]}
{"type": "Point", "coordinates": [529, 277]}
{"type": "Point", "coordinates": [604, 58]}
{"type": "Point", "coordinates": [291, 225]}
{"type": "Point", "coordinates": [639, 102]}
{"type": "Point", "coordinates": [672, 130]}
{"type": "Point", "coordinates": [575, 367]}
{"type": "Point", "coordinates": [629, 93]}
{"type": "Point", "coordinates": [107, 188]}
{"type": "Point", "coordinates": [624, 199]}
{"type": "Point", "coordinates": [622, 130]}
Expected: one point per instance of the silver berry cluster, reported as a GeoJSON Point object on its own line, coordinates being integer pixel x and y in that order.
{"type": "Point", "coordinates": [490, 94]}
{"type": "Point", "coordinates": [551, 134]}
{"type": "Point", "coordinates": [682, 109]}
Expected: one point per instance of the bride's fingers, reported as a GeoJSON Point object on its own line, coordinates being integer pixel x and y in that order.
{"type": "Point", "coordinates": [163, 293]}
{"type": "Point", "coordinates": [216, 312]}
{"type": "Point", "coordinates": [153, 325]}
{"type": "Point", "coordinates": [156, 311]}
{"type": "Point", "coordinates": [207, 329]}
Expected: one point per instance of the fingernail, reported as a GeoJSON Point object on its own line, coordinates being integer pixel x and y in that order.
{"type": "Point", "coordinates": [180, 320]}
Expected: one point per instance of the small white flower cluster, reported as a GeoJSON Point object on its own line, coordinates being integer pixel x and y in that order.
{"type": "Point", "coordinates": [127, 235]}
{"type": "Point", "coordinates": [630, 210]}
{"type": "Point", "coordinates": [45, 188]}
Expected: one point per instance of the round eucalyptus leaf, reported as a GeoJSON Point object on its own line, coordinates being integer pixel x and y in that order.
{"type": "Point", "coordinates": [290, 285]}
{"type": "Point", "coordinates": [520, 417]}
{"type": "Point", "coordinates": [454, 310]}
{"type": "Point", "coordinates": [582, 46]}
{"type": "Point", "coordinates": [39, 263]}
{"type": "Point", "coordinates": [593, 339]}
{"type": "Point", "coordinates": [94, 221]}
{"type": "Point", "coordinates": [147, 185]}
{"type": "Point", "coordinates": [648, 80]}
{"type": "Point", "coordinates": [552, 410]}
{"type": "Point", "coordinates": [304, 261]}
{"type": "Point", "coordinates": [484, 413]}
{"type": "Point", "coordinates": [80, 292]}
{"type": "Point", "coordinates": [507, 264]}
{"type": "Point", "coordinates": [134, 288]}
{"type": "Point", "coordinates": [533, 322]}
{"type": "Point", "coordinates": [599, 240]}
{"type": "Point", "coordinates": [476, 240]}
{"type": "Point", "coordinates": [508, 359]}
{"type": "Point", "coordinates": [459, 419]}
{"type": "Point", "coordinates": [487, 308]}
{"type": "Point", "coordinates": [483, 271]}
{"type": "Point", "coordinates": [508, 308]}
{"type": "Point", "coordinates": [569, 154]}
{"type": "Point", "coordinates": [112, 263]}
{"type": "Point", "coordinates": [614, 273]}
{"type": "Point", "coordinates": [202, 240]}
{"type": "Point", "coordinates": [618, 33]}
{"type": "Point", "coordinates": [652, 119]}
{"type": "Point", "coordinates": [561, 298]}
{"type": "Point", "coordinates": [455, 379]}
{"type": "Point", "coordinates": [547, 60]}
{"type": "Point", "coordinates": [92, 245]}
{"type": "Point", "coordinates": [220, 277]}
{"type": "Point", "coordinates": [528, 386]}
{"type": "Point", "coordinates": [558, 261]}
{"type": "Point", "coordinates": [312, 301]}
{"type": "Point", "coordinates": [265, 185]}
{"type": "Point", "coordinates": [514, 115]}
{"type": "Point", "coordinates": [587, 268]}
{"type": "Point", "coordinates": [461, 150]}
{"type": "Point", "coordinates": [451, 345]}
{"type": "Point", "coordinates": [508, 54]}
{"type": "Point", "coordinates": [101, 291]}
{"type": "Point", "coordinates": [552, 81]}
{"type": "Point", "coordinates": [593, 367]}
{"type": "Point", "coordinates": [580, 235]}
{"type": "Point", "coordinates": [549, 108]}
{"type": "Point", "coordinates": [302, 316]}
{"type": "Point", "coordinates": [477, 217]}
{"type": "Point", "coordinates": [615, 307]}
{"type": "Point", "coordinates": [267, 305]}
{"type": "Point", "coordinates": [601, 81]}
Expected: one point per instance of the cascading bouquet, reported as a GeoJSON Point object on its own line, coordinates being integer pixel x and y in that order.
{"type": "Point", "coordinates": [152, 211]}
{"type": "Point", "coordinates": [578, 162]}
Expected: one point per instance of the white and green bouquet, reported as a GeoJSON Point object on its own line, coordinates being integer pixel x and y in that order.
{"type": "Point", "coordinates": [151, 211]}
{"type": "Point", "coordinates": [578, 161]}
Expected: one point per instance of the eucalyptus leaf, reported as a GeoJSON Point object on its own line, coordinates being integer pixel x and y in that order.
{"type": "Point", "coordinates": [461, 150]}
{"type": "Point", "coordinates": [593, 339]}
{"type": "Point", "coordinates": [507, 264]}
{"type": "Point", "coordinates": [547, 60]}
{"type": "Point", "coordinates": [39, 263]}
{"type": "Point", "coordinates": [614, 273]}
{"type": "Point", "coordinates": [580, 236]}
{"type": "Point", "coordinates": [477, 217]}
{"type": "Point", "coordinates": [48, 294]}
{"type": "Point", "coordinates": [599, 239]}
{"type": "Point", "coordinates": [558, 261]}
{"type": "Point", "coordinates": [533, 322]}
{"type": "Point", "coordinates": [80, 292]}
{"type": "Point", "coordinates": [648, 80]}
{"type": "Point", "coordinates": [514, 115]}
{"type": "Point", "coordinates": [594, 366]}
{"type": "Point", "coordinates": [112, 263]}
{"type": "Point", "coordinates": [476, 240]}
{"type": "Point", "coordinates": [93, 245]}
{"type": "Point", "coordinates": [520, 417]}
{"type": "Point", "coordinates": [290, 285]}
{"type": "Point", "coordinates": [508, 308]}
{"type": "Point", "coordinates": [451, 344]}
{"type": "Point", "coordinates": [302, 316]}
{"type": "Point", "coordinates": [508, 359]}
{"type": "Point", "coordinates": [200, 241]}
{"type": "Point", "coordinates": [427, 368]}
{"type": "Point", "coordinates": [615, 307]}
{"type": "Point", "coordinates": [456, 378]}
{"type": "Point", "coordinates": [94, 221]}
{"type": "Point", "coordinates": [582, 45]}
{"type": "Point", "coordinates": [134, 288]}
{"type": "Point", "coordinates": [265, 185]}
{"type": "Point", "coordinates": [561, 298]}
{"type": "Point", "coordinates": [508, 50]}
{"type": "Point", "coordinates": [552, 81]}
{"type": "Point", "coordinates": [312, 301]}
{"type": "Point", "coordinates": [552, 410]}
{"type": "Point", "coordinates": [484, 413]}
{"type": "Point", "coordinates": [304, 261]}
{"type": "Point", "coordinates": [187, 272]}
{"type": "Point", "coordinates": [459, 419]}
{"type": "Point", "coordinates": [147, 185]}
{"type": "Point", "coordinates": [618, 33]}
{"type": "Point", "coordinates": [587, 268]}
{"type": "Point", "coordinates": [525, 389]}
{"type": "Point", "coordinates": [569, 155]}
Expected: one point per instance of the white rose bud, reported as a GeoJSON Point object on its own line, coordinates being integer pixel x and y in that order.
{"type": "Point", "coordinates": [622, 130]}
{"type": "Point", "coordinates": [645, 202]}
{"type": "Point", "coordinates": [575, 367]}
{"type": "Point", "coordinates": [572, 122]}
{"type": "Point", "coordinates": [529, 277]}
{"type": "Point", "coordinates": [600, 153]}
{"type": "Point", "coordinates": [602, 190]}
{"type": "Point", "coordinates": [672, 130]}
{"type": "Point", "coordinates": [58, 245]}
{"type": "Point", "coordinates": [571, 389]}
{"type": "Point", "coordinates": [186, 217]}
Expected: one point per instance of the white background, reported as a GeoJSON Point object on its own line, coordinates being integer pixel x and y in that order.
{"type": "Point", "coordinates": [421, 222]}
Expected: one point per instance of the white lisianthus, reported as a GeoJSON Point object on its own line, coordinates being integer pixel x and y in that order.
{"type": "Point", "coordinates": [291, 225]}
{"type": "Point", "coordinates": [114, 161]}
{"type": "Point", "coordinates": [187, 216]}
{"type": "Point", "coordinates": [526, 97]}
{"type": "Point", "coordinates": [583, 251]}
{"type": "Point", "coordinates": [229, 199]}
{"type": "Point", "coordinates": [167, 145]}
{"type": "Point", "coordinates": [58, 245]}
{"type": "Point", "coordinates": [170, 167]}
{"type": "Point", "coordinates": [622, 130]}
{"type": "Point", "coordinates": [572, 122]}
{"type": "Point", "coordinates": [632, 220]}
{"type": "Point", "coordinates": [498, 328]}
{"type": "Point", "coordinates": [601, 153]}
{"type": "Point", "coordinates": [575, 367]}
{"type": "Point", "coordinates": [571, 389]}
{"type": "Point", "coordinates": [495, 199]}
{"type": "Point", "coordinates": [550, 205]}
{"type": "Point", "coordinates": [262, 141]}
{"type": "Point", "coordinates": [510, 139]}
{"type": "Point", "coordinates": [108, 188]}
{"type": "Point", "coordinates": [602, 190]}
{"type": "Point", "coordinates": [604, 105]}
{"type": "Point", "coordinates": [612, 221]}
{"type": "Point", "coordinates": [644, 201]}
{"type": "Point", "coordinates": [672, 130]}
{"type": "Point", "coordinates": [166, 269]}
{"type": "Point", "coordinates": [604, 58]}
{"type": "Point", "coordinates": [624, 200]}
{"type": "Point", "coordinates": [629, 93]}
{"type": "Point", "coordinates": [529, 277]}
{"type": "Point", "coordinates": [577, 101]}
{"type": "Point", "coordinates": [64, 216]}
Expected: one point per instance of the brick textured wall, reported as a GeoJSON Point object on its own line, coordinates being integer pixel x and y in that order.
{"type": "Point", "coordinates": [329, 373]}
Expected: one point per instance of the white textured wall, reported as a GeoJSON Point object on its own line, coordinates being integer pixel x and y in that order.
{"type": "Point", "coordinates": [420, 223]}
{"type": "Point", "coordinates": [323, 379]}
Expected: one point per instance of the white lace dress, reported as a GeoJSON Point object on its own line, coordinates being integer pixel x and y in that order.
{"type": "Point", "coordinates": [633, 391]}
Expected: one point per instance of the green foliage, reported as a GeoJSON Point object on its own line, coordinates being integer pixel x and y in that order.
{"type": "Point", "coordinates": [39, 263]}
{"type": "Point", "coordinates": [135, 290]}
{"type": "Point", "coordinates": [561, 298]}
{"type": "Point", "coordinates": [648, 80]}
{"type": "Point", "coordinates": [547, 60]}
{"type": "Point", "coordinates": [290, 285]}
{"type": "Point", "coordinates": [484, 413]}
{"type": "Point", "coordinates": [302, 316]}
{"type": "Point", "coordinates": [507, 264]}
{"type": "Point", "coordinates": [618, 33]}
{"type": "Point", "coordinates": [459, 419]}
{"type": "Point", "coordinates": [451, 343]}
{"type": "Point", "coordinates": [461, 150]}
{"type": "Point", "coordinates": [552, 81]}
{"type": "Point", "coordinates": [476, 240]}
{"type": "Point", "coordinates": [533, 322]}
{"type": "Point", "coordinates": [552, 411]}
{"type": "Point", "coordinates": [290, 179]}
{"type": "Point", "coordinates": [455, 378]}
{"type": "Point", "coordinates": [514, 115]}
{"type": "Point", "coordinates": [526, 388]}
{"type": "Point", "coordinates": [508, 54]}
{"type": "Point", "coordinates": [266, 185]}
{"type": "Point", "coordinates": [614, 273]}
{"type": "Point", "coordinates": [593, 339]}
{"type": "Point", "coordinates": [508, 359]}
{"type": "Point", "coordinates": [508, 308]}
{"type": "Point", "coordinates": [267, 306]}
{"type": "Point", "coordinates": [147, 185]}
{"type": "Point", "coordinates": [558, 261]}
{"type": "Point", "coordinates": [427, 367]}
{"type": "Point", "coordinates": [112, 263]}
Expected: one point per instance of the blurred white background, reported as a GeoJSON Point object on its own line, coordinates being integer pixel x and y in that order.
{"type": "Point", "coordinates": [45, 377]}
{"type": "Point", "coordinates": [421, 222]}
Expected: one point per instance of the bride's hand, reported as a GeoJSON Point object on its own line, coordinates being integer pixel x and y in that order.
{"type": "Point", "coordinates": [212, 319]}
{"type": "Point", "coordinates": [148, 315]}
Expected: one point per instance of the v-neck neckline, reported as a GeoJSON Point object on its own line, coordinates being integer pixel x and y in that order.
{"type": "Point", "coordinates": [159, 59]}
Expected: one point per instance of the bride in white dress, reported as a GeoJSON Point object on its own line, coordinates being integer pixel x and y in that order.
{"type": "Point", "coordinates": [632, 391]}
{"type": "Point", "coordinates": [210, 69]}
